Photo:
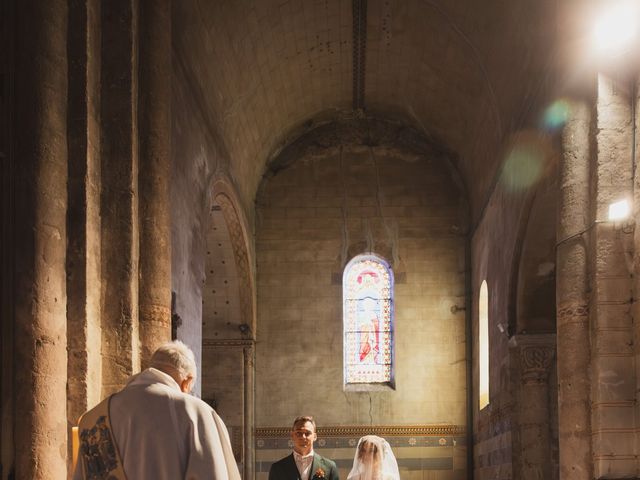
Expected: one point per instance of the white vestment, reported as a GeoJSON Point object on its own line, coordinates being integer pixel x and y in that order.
{"type": "Point", "coordinates": [165, 434]}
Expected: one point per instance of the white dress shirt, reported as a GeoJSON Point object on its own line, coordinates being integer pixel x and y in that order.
{"type": "Point", "coordinates": [303, 462]}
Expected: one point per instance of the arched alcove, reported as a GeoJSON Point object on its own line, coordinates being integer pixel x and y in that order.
{"type": "Point", "coordinates": [348, 188]}
{"type": "Point", "coordinates": [533, 344]}
{"type": "Point", "coordinates": [228, 320]}
{"type": "Point", "coordinates": [535, 310]}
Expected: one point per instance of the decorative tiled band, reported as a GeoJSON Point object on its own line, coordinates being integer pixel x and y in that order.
{"type": "Point", "coordinates": [240, 342]}
{"type": "Point", "coordinates": [360, 430]}
{"type": "Point", "coordinates": [349, 443]}
{"type": "Point", "coordinates": [407, 464]}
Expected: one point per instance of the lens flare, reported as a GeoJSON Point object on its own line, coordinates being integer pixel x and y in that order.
{"type": "Point", "coordinates": [523, 167]}
{"type": "Point", "coordinates": [556, 115]}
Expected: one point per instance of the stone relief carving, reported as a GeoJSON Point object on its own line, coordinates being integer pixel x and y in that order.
{"type": "Point", "coordinates": [572, 310]}
{"type": "Point", "coordinates": [536, 361]}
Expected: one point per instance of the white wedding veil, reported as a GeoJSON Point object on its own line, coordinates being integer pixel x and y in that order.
{"type": "Point", "coordinates": [374, 460]}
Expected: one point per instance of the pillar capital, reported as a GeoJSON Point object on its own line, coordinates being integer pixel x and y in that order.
{"type": "Point", "coordinates": [536, 353]}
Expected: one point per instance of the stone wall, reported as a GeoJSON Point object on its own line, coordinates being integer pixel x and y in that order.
{"type": "Point", "coordinates": [533, 359]}
{"type": "Point", "coordinates": [313, 215]}
{"type": "Point", "coordinates": [536, 288]}
{"type": "Point", "coordinates": [493, 244]}
{"type": "Point", "coordinates": [496, 249]}
{"type": "Point", "coordinates": [427, 452]}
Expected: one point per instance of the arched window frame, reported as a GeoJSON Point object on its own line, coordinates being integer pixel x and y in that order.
{"type": "Point", "coordinates": [483, 346]}
{"type": "Point", "coordinates": [385, 330]}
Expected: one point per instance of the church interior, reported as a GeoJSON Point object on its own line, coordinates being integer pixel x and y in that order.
{"type": "Point", "coordinates": [229, 173]}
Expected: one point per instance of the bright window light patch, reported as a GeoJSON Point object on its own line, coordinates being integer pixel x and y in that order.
{"type": "Point", "coordinates": [619, 210]}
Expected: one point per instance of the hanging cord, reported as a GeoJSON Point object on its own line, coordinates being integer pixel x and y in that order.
{"type": "Point", "coordinates": [580, 233]}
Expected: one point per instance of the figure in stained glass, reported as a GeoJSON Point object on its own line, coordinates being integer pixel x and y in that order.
{"type": "Point", "coordinates": [368, 312]}
{"type": "Point", "coordinates": [369, 331]}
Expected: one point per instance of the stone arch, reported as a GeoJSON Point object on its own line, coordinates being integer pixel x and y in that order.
{"type": "Point", "coordinates": [532, 327]}
{"type": "Point", "coordinates": [229, 319]}
{"type": "Point", "coordinates": [225, 197]}
{"type": "Point", "coordinates": [334, 130]}
{"type": "Point", "coordinates": [533, 279]}
{"type": "Point", "coordinates": [357, 185]}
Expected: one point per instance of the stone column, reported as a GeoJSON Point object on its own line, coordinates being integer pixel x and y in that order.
{"type": "Point", "coordinates": [536, 355]}
{"type": "Point", "coordinates": [119, 206]}
{"type": "Point", "coordinates": [40, 135]}
{"type": "Point", "coordinates": [635, 308]}
{"type": "Point", "coordinates": [153, 180]}
{"type": "Point", "coordinates": [83, 220]}
{"type": "Point", "coordinates": [249, 411]}
{"type": "Point", "coordinates": [572, 286]}
{"type": "Point", "coordinates": [7, 240]}
{"type": "Point", "coordinates": [612, 357]}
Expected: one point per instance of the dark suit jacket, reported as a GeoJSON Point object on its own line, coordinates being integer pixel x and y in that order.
{"type": "Point", "coordinates": [286, 469]}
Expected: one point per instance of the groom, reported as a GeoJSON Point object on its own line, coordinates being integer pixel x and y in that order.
{"type": "Point", "coordinates": [303, 463]}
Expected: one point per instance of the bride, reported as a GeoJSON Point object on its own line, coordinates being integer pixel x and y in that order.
{"type": "Point", "coordinates": [374, 460]}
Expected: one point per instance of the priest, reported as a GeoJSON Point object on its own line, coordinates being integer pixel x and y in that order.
{"type": "Point", "coordinates": [153, 429]}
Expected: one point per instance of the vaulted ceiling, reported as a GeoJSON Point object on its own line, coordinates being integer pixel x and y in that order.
{"type": "Point", "coordinates": [464, 72]}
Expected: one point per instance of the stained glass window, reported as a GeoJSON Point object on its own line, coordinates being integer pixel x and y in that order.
{"type": "Point", "coordinates": [367, 286]}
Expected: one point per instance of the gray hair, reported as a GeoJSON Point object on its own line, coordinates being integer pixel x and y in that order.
{"type": "Point", "coordinates": [175, 356]}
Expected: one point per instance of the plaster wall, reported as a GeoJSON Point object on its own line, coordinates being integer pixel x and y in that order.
{"type": "Point", "coordinates": [223, 381]}
{"type": "Point", "coordinates": [221, 296]}
{"type": "Point", "coordinates": [193, 160]}
{"type": "Point", "coordinates": [312, 217]}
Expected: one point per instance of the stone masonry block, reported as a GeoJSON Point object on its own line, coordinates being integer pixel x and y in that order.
{"type": "Point", "coordinates": [613, 342]}
{"type": "Point", "coordinates": [612, 415]}
{"type": "Point", "coordinates": [613, 378]}
{"type": "Point", "coordinates": [614, 443]}
{"type": "Point", "coordinates": [613, 289]}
